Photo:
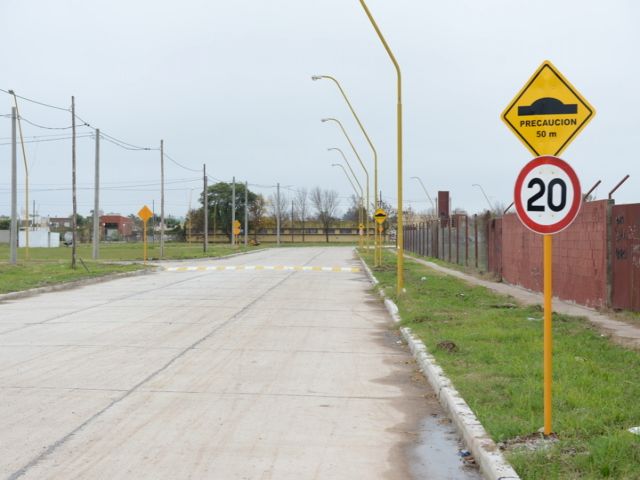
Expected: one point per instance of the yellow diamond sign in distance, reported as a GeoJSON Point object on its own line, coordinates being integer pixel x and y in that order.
{"type": "Point", "coordinates": [548, 113]}
{"type": "Point", "coordinates": [145, 213]}
{"type": "Point", "coordinates": [380, 215]}
{"type": "Point", "coordinates": [236, 227]}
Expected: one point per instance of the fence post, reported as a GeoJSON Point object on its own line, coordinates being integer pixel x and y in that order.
{"type": "Point", "coordinates": [466, 240]}
{"type": "Point", "coordinates": [475, 234]}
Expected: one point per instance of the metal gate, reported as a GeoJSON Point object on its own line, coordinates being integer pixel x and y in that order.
{"type": "Point", "coordinates": [625, 256]}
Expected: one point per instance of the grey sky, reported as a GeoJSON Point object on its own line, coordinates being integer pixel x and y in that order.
{"type": "Point", "coordinates": [228, 83]}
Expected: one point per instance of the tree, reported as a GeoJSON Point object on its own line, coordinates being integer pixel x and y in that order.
{"type": "Point", "coordinates": [326, 203]}
{"type": "Point", "coordinates": [277, 205]}
{"type": "Point", "coordinates": [219, 197]}
{"type": "Point", "coordinates": [301, 202]}
{"type": "Point", "coordinates": [355, 210]}
{"type": "Point", "coordinates": [256, 211]}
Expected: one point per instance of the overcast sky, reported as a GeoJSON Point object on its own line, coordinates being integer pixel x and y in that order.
{"type": "Point", "coordinates": [228, 84]}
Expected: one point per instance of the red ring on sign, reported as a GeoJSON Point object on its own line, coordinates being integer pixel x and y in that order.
{"type": "Point", "coordinates": [575, 206]}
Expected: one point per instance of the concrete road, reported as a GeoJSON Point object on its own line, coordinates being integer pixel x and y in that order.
{"type": "Point", "coordinates": [262, 370]}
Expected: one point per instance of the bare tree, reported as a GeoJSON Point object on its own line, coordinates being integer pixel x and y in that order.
{"type": "Point", "coordinates": [326, 203]}
{"type": "Point", "coordinates": [301, 201]}
{"type": "Point", "coordinates": [275, 207]}
{"type": "Point", "coordinates": [257, 211]}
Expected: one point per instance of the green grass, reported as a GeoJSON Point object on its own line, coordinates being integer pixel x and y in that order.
{"type": "Point", "coordinates": [498, 370]}
{"type": "Point", "coordinates": [48, 266]}
{"type": "Point", "coordinates": [25, 275]}
{"type": "Point", "coordinates": [126, 251]}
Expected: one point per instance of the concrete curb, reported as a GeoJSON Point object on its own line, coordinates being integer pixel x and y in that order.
{"type": "Point", "coordinates": [492, 463]}
{"type": "Point", "coordinates": [74, 284]}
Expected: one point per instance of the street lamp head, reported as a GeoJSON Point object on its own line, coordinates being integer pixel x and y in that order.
{"type": "Point", "coordinates": [336, 165]}
{"type": "Point", "coordinates": [316, 77]}
{"type": "Point", "coordinates": [11, 92]}
{"type": "Point", "coordinates": [417, 178]}
{"type": "Point", "coordinates": [324, 120]}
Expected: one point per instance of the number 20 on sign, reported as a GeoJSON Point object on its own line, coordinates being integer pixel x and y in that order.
{"type": "Point", "coordinates": [547, 197]}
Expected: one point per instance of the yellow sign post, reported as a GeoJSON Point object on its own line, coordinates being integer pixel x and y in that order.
{"type": "Point", "coordinates": [546, 115]}
{"type": "Point", "coordinates": [145, 214]}
{"type": "Point", "coordinates": [236, 230]}
{"type": "Point", "coordinates": [380, 216]}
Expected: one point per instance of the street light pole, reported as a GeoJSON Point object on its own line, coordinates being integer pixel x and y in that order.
{"type": "Point", "coordinates": [426, 193]}
{"type": "Point", "coordinates": [356, 192]}
{"type": "Point", "coordinates": [485, 195]}
{"type": "Point", "coordinates": [373, 149]}
{"type": "Point", "coordinates": [400, 233]}
{"type": "Point", "coordinates": [361, 164]}
{"type": "Point", "coordinates": [344, 157]}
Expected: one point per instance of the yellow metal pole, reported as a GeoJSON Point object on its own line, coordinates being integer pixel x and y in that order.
{"type": "Point", "coordinates": [361, 164]}
{"type": "Point", "coordinates": [548, 334]}
{"type": "Point", "coordinates": [399, 235]}
{"type": "Point", "coordinates": [373, 149]}
{"type": "Point", "coordinates": [144, 240]}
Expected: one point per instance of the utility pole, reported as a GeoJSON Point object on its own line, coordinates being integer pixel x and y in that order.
{"type": "Point", "coordinates": [292, 238]}
{"type": "Point", "coordinates": [205, 205]}
{"type": "Point", "coordinates": [73, 182]}
{"type": "Point", "coordinates": [278, 214]}
{"type": "Point", "coordinates": [96, 200]}
{"type": "Point", "coordinates": [246, 213]}
{"type": "Point", "coordinates": [13, 238]}
{"type": "Point", "coordinates": [233, 210]}
{"type": "Point", "coordinates": [26, 176]}
{"type": "Point", "coordinates": [161, 199]}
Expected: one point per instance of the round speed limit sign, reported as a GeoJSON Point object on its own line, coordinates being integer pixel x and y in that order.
{"type": "Point", "coordinates": [547, 195]}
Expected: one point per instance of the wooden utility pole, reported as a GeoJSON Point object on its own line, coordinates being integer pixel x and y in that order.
{"type": "Point", "coordinates": [205, 205]}
{"type": "Point", "coordinates": [292, 239]}
{"type": "Point", "coordinates": [13, 238]}
{"type": "Point", "coordinates": [161, 199]}
{"type": "Point", "coordinates": [73, 183]}
{"type": "Point", "coordinates": [96, 200]}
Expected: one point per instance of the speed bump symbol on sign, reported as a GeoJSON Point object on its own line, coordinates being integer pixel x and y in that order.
{"type": "Point", "coordinates": [548, 113]}
{"type": "Point", "coordinates": [547, 195]}
{"type": "Point", "coordinates": [380, 215]}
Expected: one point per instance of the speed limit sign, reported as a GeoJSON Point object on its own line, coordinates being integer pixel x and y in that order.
{"type": "Point", "coordinates": [547, 195]}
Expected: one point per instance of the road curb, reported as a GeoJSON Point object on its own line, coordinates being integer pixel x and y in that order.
{"type": "Point", "coordinates": [492, 463]}
{"type": "Point", "coordinates": [73, 284]}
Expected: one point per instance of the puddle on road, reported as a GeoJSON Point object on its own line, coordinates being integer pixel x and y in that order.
{"type": "Point", "coordinates": [435, 454]}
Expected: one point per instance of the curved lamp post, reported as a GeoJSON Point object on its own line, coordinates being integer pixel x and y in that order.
{"type": "Point", "coordinates": [330, 119]}
{"type": "Point", "coordinates": [366, 135]}
{"type": "Point", "coordinates": [426, 193]}
{"type": "Point", "coordinates": [400, 233]}
{"type": "Point", "coordinates": [485, 195]}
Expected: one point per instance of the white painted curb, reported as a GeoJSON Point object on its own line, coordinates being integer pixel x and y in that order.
{"type": "Point", "coordinates": [492, 463]}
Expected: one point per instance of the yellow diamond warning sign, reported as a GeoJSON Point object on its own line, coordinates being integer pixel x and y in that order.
{"type": "Point", "coordinates": [548, 113]}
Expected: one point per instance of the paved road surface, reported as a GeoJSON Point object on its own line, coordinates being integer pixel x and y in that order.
{"type": "Point", "coordinates": [267, 372]}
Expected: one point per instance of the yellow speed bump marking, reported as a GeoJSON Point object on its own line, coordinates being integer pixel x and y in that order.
{"type": "Point", "coordinates": [280, 268]}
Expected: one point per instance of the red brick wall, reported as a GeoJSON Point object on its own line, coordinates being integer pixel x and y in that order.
{"type": "Point", "coordinates": [579, 256]}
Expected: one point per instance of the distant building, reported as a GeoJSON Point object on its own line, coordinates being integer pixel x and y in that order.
{"type": "Point", "coordinates": [59, 224]}
{"type": "Point", "coordinates": [116, 227]}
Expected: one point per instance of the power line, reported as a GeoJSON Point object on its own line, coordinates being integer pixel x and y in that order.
{"type": "Point", "coordinates": [179, 164]}
{"type": "Point", "coordinates": [88, 135]}
{"type": "Point", "coordinates": [35, 101]}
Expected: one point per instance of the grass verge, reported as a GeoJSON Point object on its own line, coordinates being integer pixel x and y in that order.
{"type": "Point", "coordinates": [493, 354]}
{"type": "Point", "coordinates": [23, 276]}
{"type": "Point", "coordinates": [48, 266]}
